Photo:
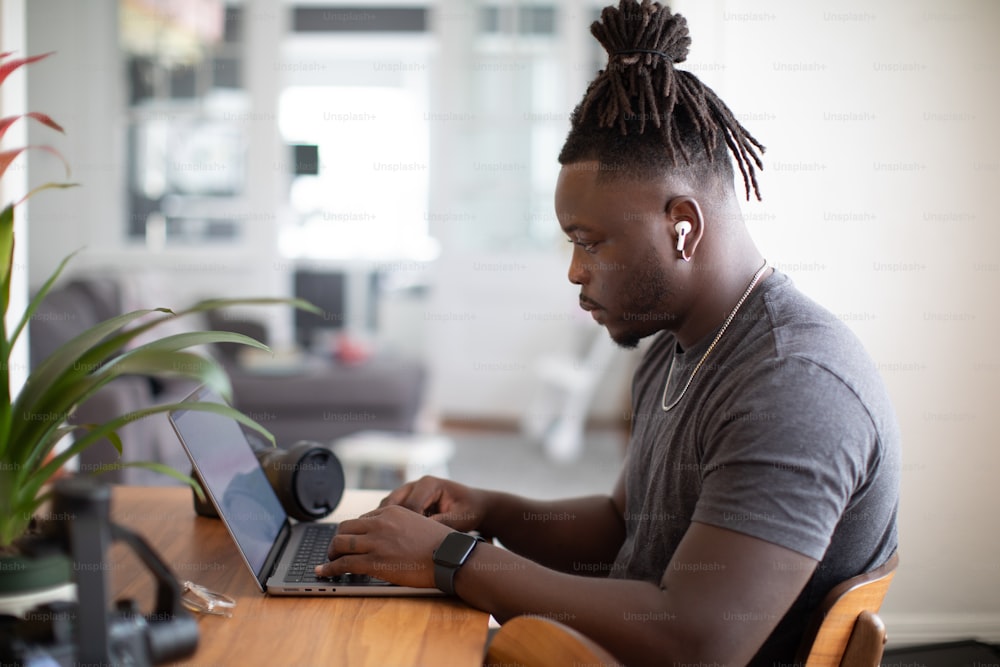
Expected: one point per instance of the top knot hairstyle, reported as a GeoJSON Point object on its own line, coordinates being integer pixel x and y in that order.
{"type": "Point", "coordinates": [640, 114]}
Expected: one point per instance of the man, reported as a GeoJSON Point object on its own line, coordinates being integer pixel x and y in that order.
{"type": "Point", "coordinates": [763, 466]}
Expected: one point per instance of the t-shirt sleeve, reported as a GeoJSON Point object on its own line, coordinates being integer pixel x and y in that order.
{"type": "Point", "coordinates": [783, 454]}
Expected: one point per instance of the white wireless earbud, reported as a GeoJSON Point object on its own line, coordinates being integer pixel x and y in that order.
{"type": "Point", "coordinates": [683, 228]}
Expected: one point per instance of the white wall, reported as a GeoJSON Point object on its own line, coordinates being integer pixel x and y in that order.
{"type": "Point", "coordinates": [879, 199]}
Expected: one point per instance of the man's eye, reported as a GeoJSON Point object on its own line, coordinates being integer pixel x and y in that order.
{"type": "Point", "coordinates": [588, 246]}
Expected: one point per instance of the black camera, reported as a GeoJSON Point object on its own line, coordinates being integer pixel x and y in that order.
{"type": "Point", "coordinates": [307, 478]}
{"type": "Point", "coordinates": [87, 632]}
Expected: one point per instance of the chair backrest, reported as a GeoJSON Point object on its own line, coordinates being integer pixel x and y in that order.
{"type": "Point", "coordinates": [536, 641]}
{"type": "Point", "coordinates": [846, 630]}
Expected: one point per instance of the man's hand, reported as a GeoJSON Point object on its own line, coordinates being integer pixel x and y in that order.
{"type": "Point", "coordinates": [450, 503]}
{"type": "Point", "coordinates": [585, 538]}
{"type": "Point", "coordinates": [391, 543]}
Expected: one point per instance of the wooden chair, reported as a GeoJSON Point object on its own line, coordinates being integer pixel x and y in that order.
{"type": "Point", "coordinates": [846, 630]}
{"type": "Point", "coordinates": [536, 641]}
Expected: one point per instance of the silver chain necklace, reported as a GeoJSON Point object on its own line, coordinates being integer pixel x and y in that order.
{"type": "Point", "coordinates": [725, 325]}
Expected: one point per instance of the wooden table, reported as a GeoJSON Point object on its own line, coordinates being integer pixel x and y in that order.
{"type": "Point", "coordinates": [282, 630]}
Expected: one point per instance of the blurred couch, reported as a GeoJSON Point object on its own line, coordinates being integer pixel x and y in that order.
{"type": "Point", "coordinates": [309, 398]}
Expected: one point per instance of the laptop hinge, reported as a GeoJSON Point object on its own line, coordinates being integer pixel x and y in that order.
{"type": "Point", "coordinates": [267, 569]}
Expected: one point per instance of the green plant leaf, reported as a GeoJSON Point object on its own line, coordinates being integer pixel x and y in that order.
{"type": "Point", "coordinates": [6, 242]}
{"type": "Point", "coordinates": [156, 359]}
{"type": "Point", "coordinates": [116, 441]}
{"type": "Point", "coordinates": [168, 363]}
{"type": "Point", "coordinates": [52, 382]}
{"type": "Point", "coordinates": [155, 466]}
{"type": "Point", "coordinates": [90, 371]}
{"type": "Point", "coordinates": [93, 348]}
{"type": "Point", "coordinates": [39, 477]}
{"type": "Point", "coordinates": [190, 339]}
{"type": "Point", "coordinates": [74, 359]}
{"type": "Point", "coordinates": [55, 386]}
{"type": "Point", "coordinates": [47, 415]}
{"type": "Point", "coordinates": [39, 297]}
{"type": "Point", "coordinates": [6, 263]}
{"type": "Point", "coordinates": [6, 253]}
{"type": "Point", "coordinates": [219, 304]}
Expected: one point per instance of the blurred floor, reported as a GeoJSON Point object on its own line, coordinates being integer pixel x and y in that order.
{"type": "Point", "coordinates": [952, 654]}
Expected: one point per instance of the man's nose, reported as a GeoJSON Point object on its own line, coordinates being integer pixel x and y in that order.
{"type": "Point", "coordinates": [578, 272]}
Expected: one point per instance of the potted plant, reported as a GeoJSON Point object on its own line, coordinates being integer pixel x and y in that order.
{"type": "Point", "coordinates": [35, 420]}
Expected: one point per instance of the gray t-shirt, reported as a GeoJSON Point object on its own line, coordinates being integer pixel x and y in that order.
{"type": "Point", "coordinates": [786, 434]}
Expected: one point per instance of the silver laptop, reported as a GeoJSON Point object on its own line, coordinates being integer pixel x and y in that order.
{"type": "Point", "coordinates": [280, 554]}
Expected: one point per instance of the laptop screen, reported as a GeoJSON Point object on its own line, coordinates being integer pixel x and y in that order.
{"type": "Point", "coordinates": [232, 477]}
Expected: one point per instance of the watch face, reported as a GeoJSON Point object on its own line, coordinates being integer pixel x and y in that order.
{"type": "Point", "coordinates": [455, 548]}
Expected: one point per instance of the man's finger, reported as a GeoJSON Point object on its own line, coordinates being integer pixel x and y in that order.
{"type": "Point", "coordinates": [358, 526]}
{"type": "Point", "coordinates": [397, 496]}
{"type": "Point", "coordinates": [344, 545]}
{"type": "Point", "coordinates": [420, 501]}
{"type": "Point", "coordinates": [343, 565]}
{"type": "Point", "coordinates": [345, 530]}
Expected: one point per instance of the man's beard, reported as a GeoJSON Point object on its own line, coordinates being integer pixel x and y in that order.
{"type": "Point", "coordinates": [647, 291]}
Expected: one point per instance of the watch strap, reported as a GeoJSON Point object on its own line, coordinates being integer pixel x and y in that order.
{"type": "Point", "coordinates": [444, 578]}
{"type": "Point", "coordinates": [444, 572]}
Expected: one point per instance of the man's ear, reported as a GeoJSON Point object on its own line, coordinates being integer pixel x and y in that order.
{"type": "Point", "coordinates": [680, 210]}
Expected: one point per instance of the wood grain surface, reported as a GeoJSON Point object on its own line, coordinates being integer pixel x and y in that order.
{"type": "Point", "coordinates": [284, 631]}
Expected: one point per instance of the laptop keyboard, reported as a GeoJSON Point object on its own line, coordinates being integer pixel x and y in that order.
{"type": "Point", "coordinates": [312, 551]}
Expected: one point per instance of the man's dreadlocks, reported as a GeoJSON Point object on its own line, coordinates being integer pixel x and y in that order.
{"type": "Point", "coordinates": [640, 115]}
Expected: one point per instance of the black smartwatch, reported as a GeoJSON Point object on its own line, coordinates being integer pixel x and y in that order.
{"type": "Point", "coordinates": [450, 556]}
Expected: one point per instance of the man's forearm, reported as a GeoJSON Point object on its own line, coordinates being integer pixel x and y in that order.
{"type": "Point", "coordinates": [626, 617]}
{"type": "Point", "coordinates": [578, 535]}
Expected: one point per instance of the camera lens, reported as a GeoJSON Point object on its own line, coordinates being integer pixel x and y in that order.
{"type": "Point", "coordinates": [307, 477]}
